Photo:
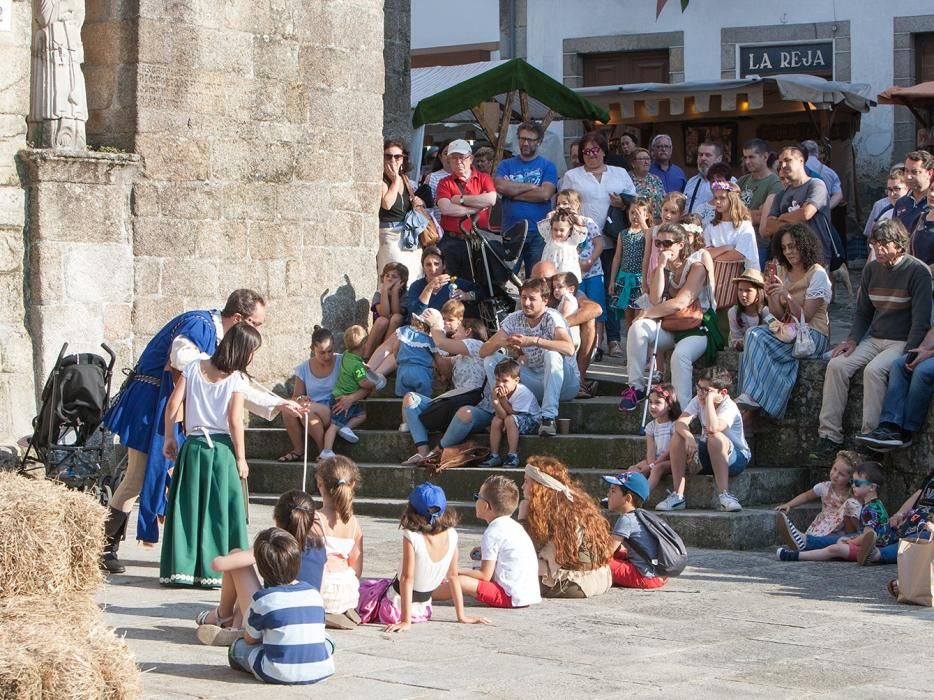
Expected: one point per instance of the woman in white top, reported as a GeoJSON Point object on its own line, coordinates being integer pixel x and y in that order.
{"type": "Point", "coordinates": [205, 515]}
{"type": "Point", "coordinates": [600, 186]}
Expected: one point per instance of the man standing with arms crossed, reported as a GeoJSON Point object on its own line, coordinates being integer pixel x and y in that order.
{"type": "Point", "coordinates": [758, 189]}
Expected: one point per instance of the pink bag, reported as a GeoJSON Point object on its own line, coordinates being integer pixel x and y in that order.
{"type": "Point", "coordinates": [372, 592]}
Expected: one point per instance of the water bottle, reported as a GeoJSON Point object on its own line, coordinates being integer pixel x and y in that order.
{"type": "Point", "coordinates": [452, 288]}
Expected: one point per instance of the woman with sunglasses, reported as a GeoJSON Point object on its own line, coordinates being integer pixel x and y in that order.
{"type": "Point", "coordinates": [678, 283]}
{"type": "Point", "coordinates": [396, 200]}
{"type": "Point", "coordinates": [600, 186]}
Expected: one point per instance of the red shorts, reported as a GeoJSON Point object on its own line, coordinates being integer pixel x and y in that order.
{"type": "Point", "coordinates": [626, 574]}
{"type": "Point", "coordinates": [493, 594]}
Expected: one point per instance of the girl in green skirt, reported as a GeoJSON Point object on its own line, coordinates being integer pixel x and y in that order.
{"type": "Point", "coordinates": [206, 516]}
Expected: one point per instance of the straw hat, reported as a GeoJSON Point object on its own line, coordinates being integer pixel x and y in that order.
{"type": "Point", "coordinates": [754, 277]}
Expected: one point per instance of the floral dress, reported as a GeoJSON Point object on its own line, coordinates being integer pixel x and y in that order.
{"type": "Point", "coordinates": [651, 186]}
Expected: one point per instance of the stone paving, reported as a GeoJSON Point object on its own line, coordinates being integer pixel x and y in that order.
{"type": "Point", "coordinates": [735, 624]}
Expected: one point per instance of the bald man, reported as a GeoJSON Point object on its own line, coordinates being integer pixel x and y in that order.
{"type": "Point", "coordinates": [585, 318]}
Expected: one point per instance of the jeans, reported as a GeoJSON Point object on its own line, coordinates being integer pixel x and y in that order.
{"type": "Point", "coordinates": [821, 541]}
{"type": "Point", "coordinates": [416, 429]}
{"type": "Point", "coordinates": [456, 256]}
{"type": "Point", "coordinates": [909, 394]}
{"type": "Point", "coordinates": [764, 252]}
{"type": "Point", "coordinates": [612, 320]}
{"type": "Point", "coordinates": [639, 344]}
{"type": "Point", "coordinates": [557, 380]}
{"type": "Point", "coordinates": [459, 430]}
{"type": "Point", "coordinates": [532, 250]}
{"type": "Point", "coordinates": [888, 554]}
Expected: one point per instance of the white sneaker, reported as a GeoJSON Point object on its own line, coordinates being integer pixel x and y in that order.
{"type": "Point", "coordinates": [403, 427]}
{"type": "Point", "coordinates": [326, 454]}
{"type": "Point", "coordinates": [672, 502]}
{"type": "Point", "coordinates": [746, 400]}
{"type": "Point", "coordinates": [378, 379]}
{"type": "Point", "coordinates": [728, 502]}
{"type": "Point", "coordinates": [349, 435]}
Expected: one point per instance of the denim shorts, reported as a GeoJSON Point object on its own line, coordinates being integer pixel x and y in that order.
{"type": "Point", "coordinates": [527, 423]}
{"type": "Point", "coordinates": [736, 460]}
{"type": "Point", "coordinates": [341, 419]}
{"type": "Point", "coordinates": [595, 290]}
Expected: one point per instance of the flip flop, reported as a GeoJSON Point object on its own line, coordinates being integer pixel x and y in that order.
{"type": "Point", "coordinates": [290, 457]}
{"type": "Point", "coordinates": [892, 587]}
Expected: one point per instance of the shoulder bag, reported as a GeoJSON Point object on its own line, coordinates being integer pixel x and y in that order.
{"type": "Point", "coordinates": [804, 343]}
{"type": "Point", "coordinates": [429, 234]}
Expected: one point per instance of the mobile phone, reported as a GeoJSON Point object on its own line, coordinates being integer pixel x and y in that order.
{"type": "Point", "coordinates": [912, 356]}
{"type": "Point", "coordinates": [772, 268]}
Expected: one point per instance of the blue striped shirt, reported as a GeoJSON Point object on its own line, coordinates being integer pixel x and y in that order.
{"type": "Point", "coordinates": [289, 622]}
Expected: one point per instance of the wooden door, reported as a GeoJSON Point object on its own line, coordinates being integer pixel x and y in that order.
{"type": "Point", "coordinates": [626, 67]}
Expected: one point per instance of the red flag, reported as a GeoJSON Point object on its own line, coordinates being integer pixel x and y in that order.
{"type": "Point", "coordinates": [659, 6]}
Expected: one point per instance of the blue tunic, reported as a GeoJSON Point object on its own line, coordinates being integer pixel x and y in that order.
{"type": "Point", "coordinates": [137, 414]}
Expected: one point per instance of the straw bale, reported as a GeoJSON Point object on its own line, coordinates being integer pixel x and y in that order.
{"type": "Point", "coordinates": [62, 649]}
{"type": "Point", "coordinates": [51, 538]}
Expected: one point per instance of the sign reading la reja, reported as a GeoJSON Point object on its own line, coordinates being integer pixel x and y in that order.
{"type": "Point", "coordinates": [813, 58]}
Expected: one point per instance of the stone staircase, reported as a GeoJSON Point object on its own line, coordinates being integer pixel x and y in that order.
{"type": "Point", "coordinates": [603, 440]}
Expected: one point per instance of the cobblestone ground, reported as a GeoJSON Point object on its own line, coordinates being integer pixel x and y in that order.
{"type": "Point", "coordinates": [735, 624]}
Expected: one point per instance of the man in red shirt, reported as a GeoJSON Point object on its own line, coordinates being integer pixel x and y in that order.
{"type": "Point", "coordinates": [464, 192]}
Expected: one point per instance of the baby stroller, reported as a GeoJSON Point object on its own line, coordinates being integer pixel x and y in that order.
{"type": "Point", "coordinates": [67, 435]}
{"type": "Point", "coordinates": [493, 258]}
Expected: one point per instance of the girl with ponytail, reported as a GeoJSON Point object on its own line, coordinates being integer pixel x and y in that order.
{"type": "Point", "coordinates": [337, 479]}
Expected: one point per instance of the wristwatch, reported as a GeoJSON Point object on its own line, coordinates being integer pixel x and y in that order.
{"type": "Point", "coordinates": [462, 200]}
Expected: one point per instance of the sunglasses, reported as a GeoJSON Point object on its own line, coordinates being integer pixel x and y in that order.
{"type": "Point", "coordinates": [861, 482]}
{"type": "Point", "coordinates": [393, 156]}
{"type": "Point", "coordinates": [592, 151]}
{"type": "Point", "coordinates": [663, 243]}
{"type": "Point", "coordinates": [478, 497]}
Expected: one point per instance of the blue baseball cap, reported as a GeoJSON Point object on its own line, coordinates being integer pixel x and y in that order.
{"type": "Point", "coordinates": [631, 481]}
{"type": "Point", "coordinates": [428, 500]}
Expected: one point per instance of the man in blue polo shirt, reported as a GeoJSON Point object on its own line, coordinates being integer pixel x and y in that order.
{"type": "Point", "coordinates": [671, 175]}
{"type": "Point", "coordinates": [527, 182]}
{"type": "Point", "coordinates": [919, 171]}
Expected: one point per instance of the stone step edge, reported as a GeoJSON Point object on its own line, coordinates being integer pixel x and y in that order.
{"type": "Point", "coordinates": [362, 432]}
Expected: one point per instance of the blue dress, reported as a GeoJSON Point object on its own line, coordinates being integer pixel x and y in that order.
{"type": "Point", "coordinates": [137, 413]}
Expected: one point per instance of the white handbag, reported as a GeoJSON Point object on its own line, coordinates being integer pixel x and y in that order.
{"type": "Point", "coordinates": [804, 343]}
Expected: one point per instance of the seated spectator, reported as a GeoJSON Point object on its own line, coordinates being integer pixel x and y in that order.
{"type": "Point", "coordinates": [676, 286]}
{"type": "Point", "coordinates": [664, 410]}
{"type": "Point", "coordinates": [914, 520]}
{"type": "Point", "coordinates": [839, 513]}
{"type": "Point", "coordinates": [768, 368]}
{"type": "Point", "coordinates": [516, 413]}
{"type": "Point", "coordinates": [919, 174]}
{"type": "Point", "coordinates": [636, 549]}
{"type": "Point", "coordinates": [388, 306]}
{"type": "Point", "coordinates": [672, 211]}
{"type": "Point", "coordinates": [434, 290]}
{"type": "Point", "coordinates": [907, 399]}
{"type": "Point", "coordinates": [893, 310]}
{"type": "Point", "coordinates": [721, 449]}
{"type": "Point", "coordinates": [749, 311]}
{"type": "Point", "coordinates": [569, 532]}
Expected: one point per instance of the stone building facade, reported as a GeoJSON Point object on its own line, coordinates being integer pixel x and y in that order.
{"type": "Point", "coordinates": [237, 145]}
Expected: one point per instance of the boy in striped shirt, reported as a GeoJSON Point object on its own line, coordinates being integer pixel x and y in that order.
{"type": "Point", "coordinates": [284, 639]}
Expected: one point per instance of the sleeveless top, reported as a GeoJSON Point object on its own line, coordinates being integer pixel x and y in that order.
{"type": "Point", "coordinates": [397, 211]}
{"type": "Point", "coordinates": [429, 574]}
{"type": "Point", "coordinates": [318, 389]}
{"type": "Point", "coordinates": [706, 296]}
{"type": "Point", "coordinates": [338, 548]}
{"type": "Point", "coordinates": [820, 321]}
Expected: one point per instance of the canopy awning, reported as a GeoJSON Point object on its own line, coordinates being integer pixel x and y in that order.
{"type": "Point", "coordinates": [453, 93]}
{"type": "Point", "coordinates": [744, 95]}
{"type": "Point", "coordinates": [916, 98]}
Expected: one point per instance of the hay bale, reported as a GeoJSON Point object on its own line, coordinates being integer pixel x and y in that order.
{"type": "Point", "coordinates": [51, 538]}
{"type": "Point", "coordinates": [62, 649]}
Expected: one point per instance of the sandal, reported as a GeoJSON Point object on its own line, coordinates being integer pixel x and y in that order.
{"type": "Point", "coordinates": [892, 587]}
{"type": "Point", "coordinates": [202, 618]}
{"type": "Point", "coordinates": [414, 460]}
{"type": "Point", "coordinates": [290, 457]}
{"type": "Point", "coordinates": [214, 636]}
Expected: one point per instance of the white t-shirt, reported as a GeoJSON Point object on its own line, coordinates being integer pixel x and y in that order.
{"type": "Point", "coordinates": [524, 401]}
{"type": "Point", "coordinates": [728, 412]}
{"type": "Point", "coordinates": [567, 307]}
{"type": "Point", "coordinates": [661, 433]}
{"type": "Point", "coordinates": [743, 239]}
{"type": "Point", "coordinates": [508, 544]}
{"type": "Point", "coordinates": [206, 403]}
{"type": "Point", "coordinates": [516, 322]}
{"type": "Point", "coordinates": [595, 195]}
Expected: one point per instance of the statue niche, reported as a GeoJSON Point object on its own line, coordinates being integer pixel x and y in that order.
{"type": "Point", "coordinates": [58, 108]}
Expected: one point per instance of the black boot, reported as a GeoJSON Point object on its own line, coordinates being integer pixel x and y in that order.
{"type": "Point", "coordinates": [114, 529]}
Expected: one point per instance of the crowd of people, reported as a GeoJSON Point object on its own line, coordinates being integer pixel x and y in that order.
{"type": "Point", "coordinates": [684, 266]}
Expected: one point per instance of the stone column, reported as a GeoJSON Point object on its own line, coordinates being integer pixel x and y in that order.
{"type": "Point", "coordinates": [80, 285]}
{"type": "Point", "coordinates": [397, 46]}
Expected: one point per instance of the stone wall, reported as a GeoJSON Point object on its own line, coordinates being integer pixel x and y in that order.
{"type": "Point", "coordinates": [17, 404]}
{"type": "Point", "coordinates": [397, 51]}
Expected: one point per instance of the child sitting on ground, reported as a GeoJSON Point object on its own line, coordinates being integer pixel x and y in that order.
{"type": "Point", "coordinates": [516, 413]}
{"type": "Point", "coordinates": [664, 409]}
{"type": "Point", "coordinates": [337, 479]}
{"type": "Point", "coordinates": [631, 564]}
{"type": "Point", "coordinates": [508, 573]}
{"type": "Point", "coordinates": [388, 306]}
{"type": "Point", "coordinates": [868, 477]}
{"type": "Point", "coordinates": [749, 310]}
{"type": "Point", "coordinates": [721, 449]}
{"type": "Point", "coordinates": [284, 640]}
{"type": "Point", "coordinates": [914, 520]}
{"type": "Point", "coordinates": [564, 288]}
{"type": "Point", "coordinates": [563, 230]}
{"type": "Point", "coordinates": [411, 354]}
{"type": "Point", "coordinates": [429, 555]}
{"type": "Point", "coordinates": [347, 414]}
{"type": "Point", "coordinates": [839, 514]}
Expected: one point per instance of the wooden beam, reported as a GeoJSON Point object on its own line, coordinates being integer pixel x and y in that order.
{"type": "Point", "coordinates": [504, 127]}
{"type": "Point", "coordinates": [524, 104]}
{"type": "Point", "coordinates": [477, 113]}
{"type": "Point", "coordinates": [550, 117]}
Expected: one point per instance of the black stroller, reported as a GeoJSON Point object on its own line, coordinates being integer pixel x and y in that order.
{"type": "Point", "coordinates": [68, 439]}
{"type": "Point", "coordinates": [492, 258]}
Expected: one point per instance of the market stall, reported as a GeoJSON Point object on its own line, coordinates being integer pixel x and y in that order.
{"type": "Point", "coordinates": [919, 99]}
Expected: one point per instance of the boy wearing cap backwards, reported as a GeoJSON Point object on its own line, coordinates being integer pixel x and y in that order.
{"type": "Point", "coordinates": [508, 575]}
{"type": "Point", "coordinates": [628, 491]}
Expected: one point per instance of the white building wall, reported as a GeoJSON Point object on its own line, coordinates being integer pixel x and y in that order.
{"type": "Point", "coordinates": [437, 23]}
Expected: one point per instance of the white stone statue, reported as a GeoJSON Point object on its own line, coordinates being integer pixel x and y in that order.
{"type": "Point", "coordinates": [58, 107]}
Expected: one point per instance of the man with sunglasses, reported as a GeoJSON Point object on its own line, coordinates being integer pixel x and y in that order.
{"type": "Point", "coordinates": [527, 182]}
{"type": "Point", "coordinates": [465, 192]}
{"type": "Point", "coordinates": [136, 413]}
{"type": "Point", "coordinates": [671, 175]}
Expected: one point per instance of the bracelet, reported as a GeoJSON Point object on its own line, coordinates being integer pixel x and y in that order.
{"type": "Point", "coordinates": [538, 341]}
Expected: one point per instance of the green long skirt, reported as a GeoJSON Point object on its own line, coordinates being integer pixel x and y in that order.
{"type": "Point", "coordinates": [205, 516]}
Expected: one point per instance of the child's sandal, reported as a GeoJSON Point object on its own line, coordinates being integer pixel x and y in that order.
{"type": "Point", "coordinates": [893, 587]}
{"type": "Point", "coordinates": [202, 618]}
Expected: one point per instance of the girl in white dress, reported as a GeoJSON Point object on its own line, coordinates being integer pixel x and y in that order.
{"type": "Point", "coordinates": [563, 230]}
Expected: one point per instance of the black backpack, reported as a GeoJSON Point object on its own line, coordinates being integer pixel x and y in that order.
{"type": "Point", "coordinates": [672, 555]}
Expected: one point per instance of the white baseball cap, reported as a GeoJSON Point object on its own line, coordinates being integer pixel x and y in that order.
{"type": "Point", "coordinates": [459, 146]}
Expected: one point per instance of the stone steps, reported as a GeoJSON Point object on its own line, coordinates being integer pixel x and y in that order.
{"type": "Point", "coordinates": [751, 528]}
{"type": "Point", "coordinates": [754, 487]}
